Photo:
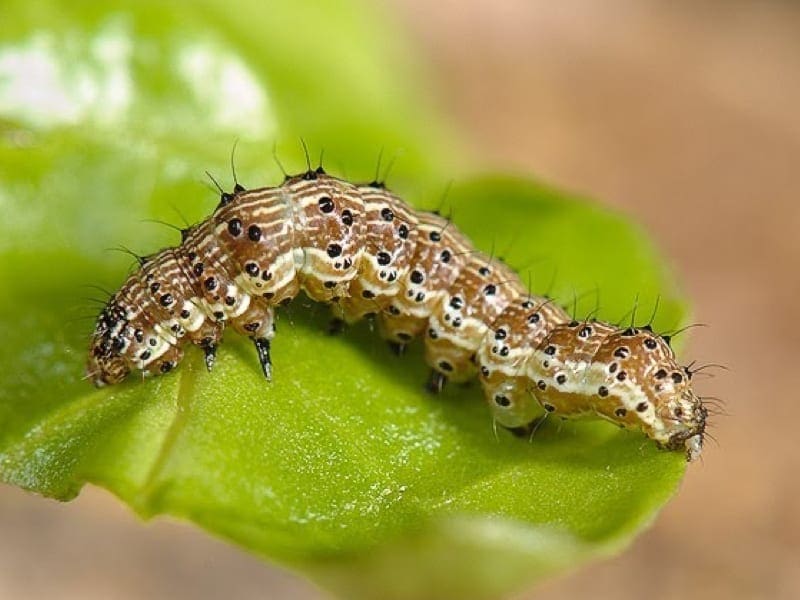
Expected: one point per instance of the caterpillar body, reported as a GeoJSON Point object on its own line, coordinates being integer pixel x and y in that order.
{"type": "Point", "coordinates": [366, 252]}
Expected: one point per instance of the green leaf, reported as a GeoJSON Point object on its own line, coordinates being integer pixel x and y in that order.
{"type": "Point", "coordinates": [342, 468]}
{"type": "Point", "coordinates": [177, 83]}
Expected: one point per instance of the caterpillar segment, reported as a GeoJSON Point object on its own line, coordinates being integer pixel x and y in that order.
{"type": "Point", "coordinates": [483, 288]}
{"type": "Point", "coordinates": [504, 354]}
{"type": "Point", "coordinates": [439, 254]}
{"type": "Point", "coordinates": [365, 252]}
{"type": "Point", "coordinates": [388, 253]}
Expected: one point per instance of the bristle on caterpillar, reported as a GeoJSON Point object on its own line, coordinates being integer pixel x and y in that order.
{"type": "Point", "coordinates": [366, 252]}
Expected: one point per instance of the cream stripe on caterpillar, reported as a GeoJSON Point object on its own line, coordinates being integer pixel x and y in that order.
{"type": "Point", "coordinates": [365, 251]}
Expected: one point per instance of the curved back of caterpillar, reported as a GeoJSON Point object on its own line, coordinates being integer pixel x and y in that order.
{"type": "Point", "coordinates": [366, 252]}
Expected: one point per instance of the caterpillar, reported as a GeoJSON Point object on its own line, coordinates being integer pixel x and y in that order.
{"type": "Point", "coordinates": [363, 250]}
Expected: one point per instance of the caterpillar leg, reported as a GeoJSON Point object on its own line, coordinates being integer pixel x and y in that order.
{"type": "Point", "coordinates": [207, 337]}
{"type": "Point", "coordinates": [448, 363]}
{"type": "Point", "coordinates": [529, 429]}
{"type": "Point", "coordinates": [521, 431]}
{"type": "Point", "coordinates": [436, 382]}
{"type": "Point", "coordinates": [258, 323]}
{"type": "Point", "coordinates": [336, 326]}
{"type": "Point", "coordinates": [397, 348]}
{"type": "Point", "coordinates": [263, 347]}
{"type": "Point", "coordinates": [209, 346]}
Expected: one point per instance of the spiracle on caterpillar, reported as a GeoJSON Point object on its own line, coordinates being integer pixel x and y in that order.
{"type": "Point", "coordinates": [367, 253]}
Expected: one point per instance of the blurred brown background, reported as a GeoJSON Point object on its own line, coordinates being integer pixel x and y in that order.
{"type": "Point", "coordinates": [683, 115]}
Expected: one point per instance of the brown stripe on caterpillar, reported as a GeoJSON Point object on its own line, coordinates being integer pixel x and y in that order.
{"type": "Point", "coordinates": [387, 254]}
{"type": "Point", "coordinates": [364, 251]}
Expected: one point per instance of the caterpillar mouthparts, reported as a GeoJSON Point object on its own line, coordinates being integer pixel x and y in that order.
{"type": "Point", "coordinates": [367, 253]}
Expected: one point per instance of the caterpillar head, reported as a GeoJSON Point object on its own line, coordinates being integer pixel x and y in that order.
{"type": "Point", "coordinates": [656, 391]}
{"type": "Point", "coordinates": [679, 416]}
{"type": "Point", "coordinates": [107, 363]}
{"type": "Point", "coordinates": [684, 419]}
